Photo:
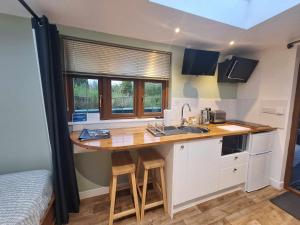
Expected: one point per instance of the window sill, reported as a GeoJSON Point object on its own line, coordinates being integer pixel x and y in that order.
{"type": "Point", "coordinates": [113, 121]}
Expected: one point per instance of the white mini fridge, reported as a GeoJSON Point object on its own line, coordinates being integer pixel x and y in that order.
{"type": "Point", "coordinates": [260, 152]}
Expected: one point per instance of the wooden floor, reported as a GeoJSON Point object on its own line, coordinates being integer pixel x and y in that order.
{"type": "Point", "coordinates": [237, 208]}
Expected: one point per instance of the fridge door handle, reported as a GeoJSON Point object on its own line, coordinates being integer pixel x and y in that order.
{"type": "Point", "coordinates": [260, 153]}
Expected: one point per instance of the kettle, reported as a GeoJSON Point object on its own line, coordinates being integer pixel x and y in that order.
{"type": "Point", "coordinates": [205, 116]}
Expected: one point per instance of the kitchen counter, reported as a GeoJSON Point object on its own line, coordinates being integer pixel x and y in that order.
{"type": "Point", "coordinates": [136, 138]}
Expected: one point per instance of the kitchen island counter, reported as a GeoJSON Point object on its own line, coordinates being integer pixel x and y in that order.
{"type": "Point", "coordinates": [138, 138]}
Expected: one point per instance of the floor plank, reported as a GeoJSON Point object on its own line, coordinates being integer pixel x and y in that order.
{"type": "Point", "coordinates": [237, 208]}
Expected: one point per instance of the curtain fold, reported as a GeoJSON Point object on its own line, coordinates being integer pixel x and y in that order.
{"type": "Point", "coordinates": [64, 177]}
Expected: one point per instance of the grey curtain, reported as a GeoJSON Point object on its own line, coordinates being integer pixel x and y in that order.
{"type": "Point", "coordinates": [64, 178]}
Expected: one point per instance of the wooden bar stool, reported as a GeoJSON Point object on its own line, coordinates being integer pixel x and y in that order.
{"type": "Point", "coordinates": [152, 161]}
{"type": "Point", "coordinates": [122, 164]}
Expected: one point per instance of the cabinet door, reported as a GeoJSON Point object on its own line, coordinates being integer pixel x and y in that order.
{"type": "Point", "coordinates": [203, 167]}
{"type": "Point", "coordinates": [180, 173]}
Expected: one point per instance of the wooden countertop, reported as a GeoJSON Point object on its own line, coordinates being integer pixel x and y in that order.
{"type": "Point", "coordinates": [136, 138]}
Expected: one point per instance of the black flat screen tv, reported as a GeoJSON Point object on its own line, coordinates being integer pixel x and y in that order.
{"type": "Point", "coordinates": [199, 62]}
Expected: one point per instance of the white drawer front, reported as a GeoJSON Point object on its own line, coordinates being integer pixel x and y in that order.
{"type": "Point", "coordinates": [232, 176]}
{"type": "Point", "coordinates": [261, 142]}
{"type": "Point", "coordinates": [234, 159]}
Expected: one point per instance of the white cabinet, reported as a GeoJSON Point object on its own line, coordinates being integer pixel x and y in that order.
{"type": "Point", "coordinates": [199, 169]}
{"type": "Point", "coordinates": [196, 169]}
{"type": "Point", "coordinates": [233, 169]}
{"type": "Point", "coordinates": [203, 169]}
{"type": "Point", "coordinates": [180, 163]}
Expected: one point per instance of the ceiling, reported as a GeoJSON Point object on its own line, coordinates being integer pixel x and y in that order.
{"type": "Point", "coordinates": [149, 21]}
{"type": "Point", "coordinates": [243, 14]}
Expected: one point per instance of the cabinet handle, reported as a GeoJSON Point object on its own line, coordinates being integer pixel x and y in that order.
{"type": "Point", "coordinates": [235, 169]}
{"type": "Point", "coordinates": [182, 147]}
{"type": "Point", "coordinates": [221, 141]}
{"type": "Point", "coordinates": [235, 158]}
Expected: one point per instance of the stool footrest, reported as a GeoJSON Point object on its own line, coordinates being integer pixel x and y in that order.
{"type": "Point", "coordinates": [124, 213]}
{"type": "Point", "coordinates": [154, 204]}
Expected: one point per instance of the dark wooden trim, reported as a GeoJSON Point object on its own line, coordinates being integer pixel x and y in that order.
{"type": "Point", "coordinates": [166, 94]}
{"type": "Point", "coordinates": [293, 137]}
{"type": "Point", "coordinates": [100, 96]}
{"type": "Point", "coordinates": [293, 190]}
{"type": "Point", "coordinates": [70, 94]}
{"type": "Point", "coordinates": [110, 115]}
{"type": "Point", "coordinates": [49, 216]}
{"type": "Point", "coordinates": [105, 104]}
{"type": "Point", "coordinates": [164, 103]}
{"type": "Point", "coordinates": [140, 98]}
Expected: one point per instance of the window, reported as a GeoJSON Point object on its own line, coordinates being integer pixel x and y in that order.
{"type": "Point", "coordinates": [82, 98]}
{"type": "Point", "coordinates": [107, 81]}
{"type": "Point", "coordinates": [86, 97]}
{"type": "Point", "coordinates": [122, 96]}
{"type": "Point", "coordinates": [90, 98]}
{"type": "Point", "coordinates": [153, 97]}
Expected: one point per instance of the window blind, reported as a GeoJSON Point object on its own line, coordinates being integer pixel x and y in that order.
{"type": "Point", "coordinates": [97, 58]}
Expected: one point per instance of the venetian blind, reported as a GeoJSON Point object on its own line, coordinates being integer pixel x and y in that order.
{"type": "Point", "coordinates": [96, 58]}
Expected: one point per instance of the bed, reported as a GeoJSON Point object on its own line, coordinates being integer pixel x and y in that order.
{"type": "Point", "coordinates": [26, 198]}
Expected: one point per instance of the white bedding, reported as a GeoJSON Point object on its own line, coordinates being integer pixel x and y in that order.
{"type": "Point", "coordinates": [24, 197]}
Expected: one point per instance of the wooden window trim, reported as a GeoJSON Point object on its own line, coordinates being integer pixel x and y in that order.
{"type": "Point", "coordinates": [164, 103]}
{"type": "Point", "coordinates": [70, 93]}
{"type": "Point", "coordinates": [105, 101]}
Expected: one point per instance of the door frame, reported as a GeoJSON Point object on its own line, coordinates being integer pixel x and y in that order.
{"type": "Point", "coordinates": [293, 138]}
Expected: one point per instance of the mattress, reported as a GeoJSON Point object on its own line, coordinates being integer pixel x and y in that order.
{"type": "Point", "coordinates": [24, 197]}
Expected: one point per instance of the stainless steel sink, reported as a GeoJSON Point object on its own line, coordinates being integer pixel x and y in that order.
{"type": "Point", "coordinates": [173, 130]}
{"type": "Point", "coordinates": [190, 129]}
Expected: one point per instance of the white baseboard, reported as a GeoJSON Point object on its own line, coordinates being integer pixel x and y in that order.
{"type": "Point", "coordinates": [276, 184]}
{"type": "Point", "coordinates": [93, 192]}
{"type": "Point", "coordinates": [217, 194]}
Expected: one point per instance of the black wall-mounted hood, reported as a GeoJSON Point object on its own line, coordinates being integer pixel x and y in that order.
{"type": "Point", "coordinates": [236, 69]}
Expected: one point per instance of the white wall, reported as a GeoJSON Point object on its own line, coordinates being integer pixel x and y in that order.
{"type": "Point", "coordinates": [272, 84]}
{"type": "Point", "coordinates": [23, 132]}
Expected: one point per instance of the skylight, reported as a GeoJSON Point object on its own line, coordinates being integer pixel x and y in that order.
{"type": "Point", "coordinates": [244, 14]}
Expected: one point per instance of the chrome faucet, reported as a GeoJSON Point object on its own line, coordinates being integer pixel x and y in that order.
{"type": "Point", "coordinates": [183, 120]}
